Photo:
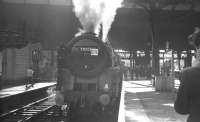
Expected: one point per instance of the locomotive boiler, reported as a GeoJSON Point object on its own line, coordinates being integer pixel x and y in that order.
{"type": "Point", "coordinates": [89, 76]}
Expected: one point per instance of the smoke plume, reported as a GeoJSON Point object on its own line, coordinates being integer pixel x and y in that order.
{"type": "Point", "coordinates": [92, 13]}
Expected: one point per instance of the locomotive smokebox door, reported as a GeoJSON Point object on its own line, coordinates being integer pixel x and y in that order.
{"type": "Point", "coordinates": [88, 56]}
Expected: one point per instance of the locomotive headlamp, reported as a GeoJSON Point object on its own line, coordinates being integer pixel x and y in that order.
{"type": "Point", "coordinates": [106, 87]}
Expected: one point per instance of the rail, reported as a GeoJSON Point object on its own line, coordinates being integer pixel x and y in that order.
{"type": "Point", "coordinates": [34, 111]}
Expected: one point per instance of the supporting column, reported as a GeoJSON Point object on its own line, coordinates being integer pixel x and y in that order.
{"type": "Point", "coordinates": [155, 65]}
{"type": "Point", "coordinates": [154, 45]}
{"type": "Point", "coordinates": [172, 72]}
{"type": "Point", "coordinates": [188, 59]}
{"type": "Point", "coordinates": [147, 54]}
{"type": "Point", "coordinates": [8, 64]}
{"type": "Point", "coordinates": [148, 58]}
{"type": "Point", "coordinates": [4, 64]}
{"type": "Point", "coordinates": [155, 62]}
{"type": "Point", "coordinates": [36, 57]}
{"type": "Point", "coordinates": [131, 64]}
{"type": "Point", "coordinates": [179, 59]}
{"type": "Point", "coordinates": [53, 65]}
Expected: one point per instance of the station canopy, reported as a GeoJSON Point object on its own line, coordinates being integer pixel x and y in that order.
{"type": "Point", "coordinates": [136, 23]}
{"type": "Point", "coordinates": [132, 28]}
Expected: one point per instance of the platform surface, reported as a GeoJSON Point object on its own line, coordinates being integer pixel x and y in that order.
{"type": "Point", "coordinates": [22, 88]}
{"type": "Point", "coordinates": [141, 103]}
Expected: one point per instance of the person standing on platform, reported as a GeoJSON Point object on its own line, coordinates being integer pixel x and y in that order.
{"type": "Point", "coordinates": [188, 98]}
{"type": "Point", "coordinates": [30, 81]}
{"type": "Point", "coordinates": [124, 70]}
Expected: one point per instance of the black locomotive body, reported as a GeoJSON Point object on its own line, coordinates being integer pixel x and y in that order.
{"type": "Point", "coordinates": [89, 75]}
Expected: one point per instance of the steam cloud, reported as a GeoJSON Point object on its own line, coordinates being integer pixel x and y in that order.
{"type": "Point", "coordinates": [92, 13]}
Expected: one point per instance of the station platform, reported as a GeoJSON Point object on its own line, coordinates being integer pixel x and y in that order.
{"type": "Point", "coordinates": [18, 96]}
{"type": "Point", "coordinates": [141, 103]}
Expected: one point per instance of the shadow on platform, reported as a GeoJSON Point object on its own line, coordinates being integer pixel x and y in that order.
{"type": "Point", "coordinates": [143, 104]}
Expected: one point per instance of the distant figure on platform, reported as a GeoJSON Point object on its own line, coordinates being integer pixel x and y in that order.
{"type": "Point", "coordinates": [30, 81]}
{"type": "Point", "coordinates": [124, 70]}
{"type": "Point", "coordinates": [188, 98]}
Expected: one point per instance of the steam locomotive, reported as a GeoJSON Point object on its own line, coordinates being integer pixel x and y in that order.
{"type": "Point", "coordinates": [89, 75]}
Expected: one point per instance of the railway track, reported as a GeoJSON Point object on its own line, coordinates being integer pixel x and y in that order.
{"type": "Point", "coordinates": [43, 110]}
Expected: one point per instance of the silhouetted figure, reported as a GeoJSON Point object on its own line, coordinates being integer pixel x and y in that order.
{"type": "Point", "coordinates": [30, 81]}
{"type": "Point", "coordinates": [188, 96]}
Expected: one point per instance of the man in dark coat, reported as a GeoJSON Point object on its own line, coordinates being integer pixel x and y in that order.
{"type": "Point", "coordinates": [188, 96]}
